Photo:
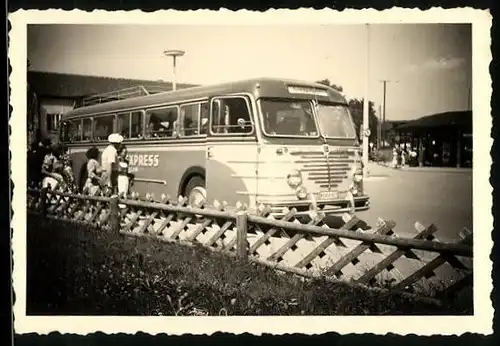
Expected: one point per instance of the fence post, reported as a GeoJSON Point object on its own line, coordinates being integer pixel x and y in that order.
{"type": "Point", "coordinates": [114, 217]}
{"type": "Point", "coordinates": [43, 201]}
{"type": "Point", "coordinates": [241, 234]}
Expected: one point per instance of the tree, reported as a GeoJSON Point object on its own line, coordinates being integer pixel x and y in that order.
{"type": "Point", "coordinates": [329, 84]}
{"type": "Point", "coordinates": [356, 109]}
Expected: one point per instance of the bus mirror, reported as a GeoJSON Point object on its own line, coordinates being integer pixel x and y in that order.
{"type": "Point", "coordinates": [241, 122]}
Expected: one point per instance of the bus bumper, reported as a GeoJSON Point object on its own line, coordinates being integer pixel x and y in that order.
{"type": "Point", "coordinates": [328, 207]}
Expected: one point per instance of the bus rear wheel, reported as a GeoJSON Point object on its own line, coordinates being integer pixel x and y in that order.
{"type": "Point", "coordinates": [195, 191]}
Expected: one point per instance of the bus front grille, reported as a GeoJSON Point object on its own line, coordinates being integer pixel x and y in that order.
{"type": "Point", "coordinates": [326, 171]}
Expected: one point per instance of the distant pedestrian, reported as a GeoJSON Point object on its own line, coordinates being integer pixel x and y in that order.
{"type": "Point", "coordinates": [109, 162]}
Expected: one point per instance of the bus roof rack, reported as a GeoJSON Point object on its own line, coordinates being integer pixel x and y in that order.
{"type": "Point", "coordinates": [115, 95]}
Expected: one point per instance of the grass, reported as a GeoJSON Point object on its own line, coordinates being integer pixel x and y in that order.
{"type": "Point", "coordinates": [77, 270]}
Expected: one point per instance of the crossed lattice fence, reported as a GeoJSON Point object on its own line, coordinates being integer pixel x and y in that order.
{"type": "Point", "coordinates": [312, 249]}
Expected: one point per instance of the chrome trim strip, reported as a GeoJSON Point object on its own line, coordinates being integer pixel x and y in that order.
{"type": "Point", "coordinates": [146, 180]}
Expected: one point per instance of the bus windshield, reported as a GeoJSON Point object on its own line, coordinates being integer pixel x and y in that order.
{"type": "Point", "coordinates": [288, 118]}
{"type": "Point", "coordinates": [335, 121]}
{"type": "Point", "coordinates": [296, 119]}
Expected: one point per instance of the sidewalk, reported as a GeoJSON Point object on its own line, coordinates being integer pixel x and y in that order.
{"type": "Point", "coordinates": [380, 167]}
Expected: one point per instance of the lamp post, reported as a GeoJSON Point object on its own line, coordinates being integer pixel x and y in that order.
{"type": "Point", "coordinates": [174, 53]}
{"type": "Point", "coordinates": [366, 127]}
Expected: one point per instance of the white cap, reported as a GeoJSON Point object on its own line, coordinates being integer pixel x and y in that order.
{"type": "Point", "coordinates": [115, 138]}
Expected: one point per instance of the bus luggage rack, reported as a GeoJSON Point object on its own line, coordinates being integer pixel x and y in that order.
{"type": "Point", "coordinates": [115, 95]}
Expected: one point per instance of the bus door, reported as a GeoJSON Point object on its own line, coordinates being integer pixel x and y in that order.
{"type": "Point", "coordinates": [231, 154]}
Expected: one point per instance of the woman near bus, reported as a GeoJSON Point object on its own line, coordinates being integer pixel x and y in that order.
{"type": "Point", "coordinates": [93, 183]}
{"type": "Point", "coordinates": [52, 168]}
{"type": "Point", "coordinates": [123, 179]}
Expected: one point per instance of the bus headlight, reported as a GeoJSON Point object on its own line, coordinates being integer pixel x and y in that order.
{"type": "Point", "coordinates": [301, 192]}
{"type": "Point", "coordinates": [294, 178]}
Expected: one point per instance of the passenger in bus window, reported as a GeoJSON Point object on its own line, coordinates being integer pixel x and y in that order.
{"type": "Point", "coordinates": [87, 129]}
{"type": "Point", "coordinates": [225, 121]}
{"type": "Point", "coordinates": [79, 130]}
{"type": "Point", "coordinates": [123, 125]}
{"type": "Point", "coordinates": [150, 130]}
{"type": "Point", "coordinates": [204, 126]}
{"type": "Point", "coordinates": [136, 121]}
{"type": "Point", "coordinates": [204, 118]}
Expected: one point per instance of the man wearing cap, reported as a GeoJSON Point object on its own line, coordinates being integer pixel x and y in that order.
{"type": "Point", "coordinates": [109, 160]}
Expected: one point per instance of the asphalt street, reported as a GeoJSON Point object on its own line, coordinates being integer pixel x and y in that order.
{"type": "Point", "coordinates": [427, 195]}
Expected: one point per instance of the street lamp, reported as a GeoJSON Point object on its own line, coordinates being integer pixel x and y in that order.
{"type": "Point", "coordinates": [174, 53]}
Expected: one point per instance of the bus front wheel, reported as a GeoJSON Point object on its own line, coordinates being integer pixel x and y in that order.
{"type": "Point", "coordinates": [195, 191]}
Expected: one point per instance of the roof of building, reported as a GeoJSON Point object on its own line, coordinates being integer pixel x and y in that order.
{"type": "Point", "coordinates": [454, 118]}
{"type": "Point", "coordinates": [50, 84]}
{"type": "Point", "coordinates": [393, 124]}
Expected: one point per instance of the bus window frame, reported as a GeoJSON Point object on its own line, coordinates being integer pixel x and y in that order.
{"type": "Point", "coordinates": [176, 106]}
{"type": "Point", "coordinates": [190, 103]}
{"type": "Point", "coordinates": [143, 123]}
{"type": "Point", "coordinates": [91, 139]}
{"type": "Point", "coordinates": [247, 100]}
{"type": "Point", "coordinates": [268, 135]}
{"type": "Point", "coordinates": [129, 122]}
{"type": "Point", "coordinates": [64, 125]}
{"type": "Point", "coordinates": [94, 117]}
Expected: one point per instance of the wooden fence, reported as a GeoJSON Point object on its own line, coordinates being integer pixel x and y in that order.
{"type": "Point", "coordinates": [311, 249]}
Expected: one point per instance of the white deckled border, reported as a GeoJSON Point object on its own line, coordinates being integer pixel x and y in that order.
{"type": "Point", "coordinates": [483, 220]}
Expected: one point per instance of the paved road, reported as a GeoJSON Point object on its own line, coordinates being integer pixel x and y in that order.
{"type": "Point", "coordinates": [439, 196]}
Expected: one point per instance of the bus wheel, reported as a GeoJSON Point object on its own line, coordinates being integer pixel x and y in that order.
{"type": "Point", "coordinates": [195, 191]}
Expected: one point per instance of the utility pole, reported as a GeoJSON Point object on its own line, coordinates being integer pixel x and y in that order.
{"type": "Point", "coordinates": [366, 99]}
{"type": "Point", "coordinates": [379, 127]}
{"type": "Point", "coordinates": [384, 82]}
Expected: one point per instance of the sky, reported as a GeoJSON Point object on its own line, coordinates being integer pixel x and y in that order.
{"type": "Point", "coordinates": [429, 66]}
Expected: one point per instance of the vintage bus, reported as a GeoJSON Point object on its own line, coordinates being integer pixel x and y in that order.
{"type": "Point", "coordinates": [281, 143]}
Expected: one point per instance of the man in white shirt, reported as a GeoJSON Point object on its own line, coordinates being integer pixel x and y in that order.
{"type": "Point", "coordinates": [109, 161]}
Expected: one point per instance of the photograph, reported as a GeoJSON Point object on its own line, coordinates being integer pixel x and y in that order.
{"type": "Point", "coordinates": [298, 169]}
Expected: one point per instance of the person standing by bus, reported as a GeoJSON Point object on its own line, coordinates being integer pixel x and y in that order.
{"type": "Point", "coordinates": [123, 179]}
{"type": "Point", "coordinates": [93, 181]}
{"type": "Point", "coordinates": [109, 162]}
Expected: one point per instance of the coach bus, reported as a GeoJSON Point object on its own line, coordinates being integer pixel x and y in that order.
{"type": "Point", "coordinates": [281, 143]}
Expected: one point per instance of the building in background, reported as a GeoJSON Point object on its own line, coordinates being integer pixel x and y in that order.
{"type": "Point", "coordinates": [443, 139]}
{"type": "Point", "coordinates": [52, 94]}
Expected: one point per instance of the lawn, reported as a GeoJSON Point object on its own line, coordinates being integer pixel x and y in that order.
{"type": "Point", "coordinates": [77, 270]}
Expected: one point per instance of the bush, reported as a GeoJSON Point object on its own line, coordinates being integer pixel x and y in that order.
{"type": "Point", "coordinates": [83, 271]}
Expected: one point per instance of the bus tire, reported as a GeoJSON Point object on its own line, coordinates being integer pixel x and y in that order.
{"type": "Point", "coordinates": [195, 190]}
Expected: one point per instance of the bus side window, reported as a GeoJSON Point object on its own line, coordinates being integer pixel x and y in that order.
{"type": "Point", "coordinates": [123, 124]}
{"type": "Point", "coordinates": [103, 127]}
{"type": "Point", "coordinates": [162, 122]}
{"type": "Point", "coordinates": [70, 131]}
{"type": "Point", "coordinates": [234, 116]}
{"type": "Point", "coordinates": [204, 112]}
{"type": "Point", "coordinates": [190, 119]}
{"type": "Point", "coordinates": [136, 124]}
{"type": "Point", "coordinates": [86, 129]}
